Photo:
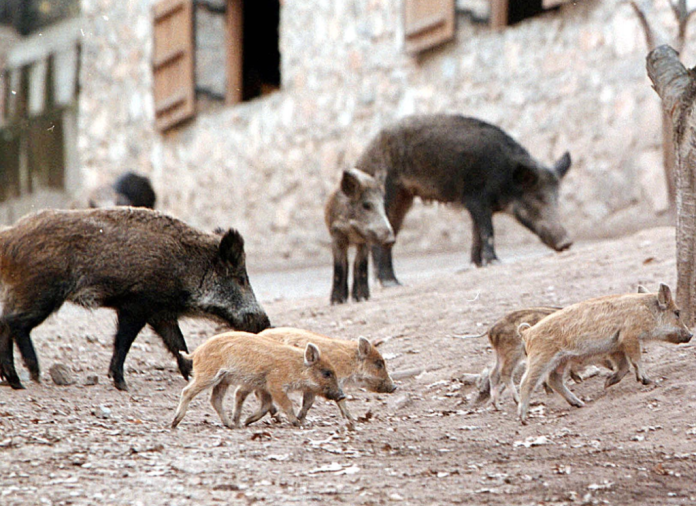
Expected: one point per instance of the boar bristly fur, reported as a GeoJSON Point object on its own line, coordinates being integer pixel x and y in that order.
{"type": "Point", "coordinates": [149, 267]}
{"type": "Point", "coordinates": [614, 325]}
{"type": "Point", "coordinates": [256, 364]}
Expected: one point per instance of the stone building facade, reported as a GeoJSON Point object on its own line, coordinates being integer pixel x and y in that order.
{"type": "Point", "coordinates": [569, 79]}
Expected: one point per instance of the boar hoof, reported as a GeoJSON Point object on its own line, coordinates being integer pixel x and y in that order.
{"type": "Point", "coordinates": [575, 377]}
{"type": "Point", "coordinates": [646, 381]}
{"type": "Point", "coordinates": [16, 385]}
{"type": "Point", "coordinates": [389, 283]}
{"type": "Point", "coordinates": [611, 380]}
{"type": "Point", "coordinates": [121, 385]}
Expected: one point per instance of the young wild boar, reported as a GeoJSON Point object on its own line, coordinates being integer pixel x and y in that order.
{"type": "Point", "coordinates": [256, 364]}
{"type": "Point", "coordinates": [149, 267]}
{"type": "Point", "coordinates": [355, 215]}
{"type": "Point", "coordinates": [614, 325]}
{"type": "Point", "coordinates": [509, 352]}
{"type": "Point", "coordinates": [469, 163]}
{"type": "Point", "coordinates": [356, 362]}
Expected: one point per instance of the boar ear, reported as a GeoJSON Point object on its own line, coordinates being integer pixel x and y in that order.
{"type": "Point", "coordinates": [350, 184]}
{"type": "Point", "coordinates": [311, 354]}
{"type": "Point", "coordinates": [364, 347]}
{"type": "Point", "coordinates": [231, 248]}
{"type": "Point", "coordinates": [524, 176]}
{"type": "Point", "coordinates": [642, 289]}
{"type": "Point", "coordinates": [562, 165]}
{"type": "Point", "coordinates": [664, 296]}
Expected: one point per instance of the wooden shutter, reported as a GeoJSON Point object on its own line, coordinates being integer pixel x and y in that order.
{"type": "Point", "coordinates": [234, 38]}
{"type": "Point", "coordinates": [172, 63]}
{"type": "Point", "coordinates": [499, 13]}
{"type": "Point", "coordinates": [427, 23]}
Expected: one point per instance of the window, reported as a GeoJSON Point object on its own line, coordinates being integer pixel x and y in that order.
{"type": "Point", "coordinates": [509, 12]}
{"type": "Point", "coordinates": [194, 39]}
{"type": "Point", "coordinates": [38, 109]}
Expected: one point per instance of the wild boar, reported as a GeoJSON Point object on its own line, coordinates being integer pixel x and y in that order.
{"type": "Point", "coordinates": [614, 325]}
{"type": "Point", "coordinates": [149, 267]}
{"type": "Point", "coordinates": [356, 362]}
{"type": "Point", "coordinates": [509, 351]}
{"type": "Point", "coordinates": [256, 364]}
{"type": "Point", "coordinates": [129, 189]}
{"type": "Point", "coordinates": [465, 162]}
{"type": "Point", "coordinates": [354, 215]}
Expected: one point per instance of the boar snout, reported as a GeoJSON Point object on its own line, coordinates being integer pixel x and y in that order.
{"type": "Point", "coordinates": [563, 244]}
{"type": "Point", "coordinates": [253, 322]}
{"type": "Point", "coordinates": [336, 395]}
{"type": "Point", "coordinates": [554, 237]}
{"type": "Point", "coordinates": [386, 387]}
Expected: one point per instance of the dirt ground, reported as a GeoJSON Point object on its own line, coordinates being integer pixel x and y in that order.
{"type": "Point", "coordinates": [427, 443]}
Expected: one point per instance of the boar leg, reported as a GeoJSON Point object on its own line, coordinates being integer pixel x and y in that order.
{"type": "Point", "coordinates": [240, 396]}
{"type": "Point", "coordinates": [170, 332]}
{"type": "Point", "coordinates": [505, 377]}
{"type": "Point", "coordinates": [7, 368]}
{"type": "Point", "coordinates": [266, 406]}
{"type": "Point", "coordinates": [555, 381]}
{"type": "Point", "coordinates": [195, 387]}
{"type": "Point", "coordinates": [343, 408]}
{"type": "Point", "coordinates": [622, 368]}
{"type": "Point", "coordinates": [216, 398]}
{"type": "Point", "coordinates": [285, 405]}
{"type": "Point", "coordinates": [129, 325]}
{"type": "Point", "coordinates": [397, 202]}
{"type": "Point", "coordinates": [307, 402]}
{"type": "Point", "coordinates": [537, 368]}
{"type": "Point", "coordinates": [631, 348]}
{"type": "Point", "coordinates": [361, 288]}
{"type": "Point", "coordinates": [482, 249]}
{"type": "Point", "coordinates": [16, 327]}
{"type": "Point", "coordinates": [339, 290]}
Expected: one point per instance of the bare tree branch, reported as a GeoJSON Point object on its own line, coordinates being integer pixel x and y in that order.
{"type": "Point", "coordinates": [669, 77]}
{"type": "Point", "coordinates": [647, 30]}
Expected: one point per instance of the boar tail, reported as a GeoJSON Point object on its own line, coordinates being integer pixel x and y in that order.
{"type": "Point", "coordinates": [187, 356]}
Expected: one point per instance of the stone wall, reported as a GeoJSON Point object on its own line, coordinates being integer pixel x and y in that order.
{"type": "Point", "coordinates": [573, 79]}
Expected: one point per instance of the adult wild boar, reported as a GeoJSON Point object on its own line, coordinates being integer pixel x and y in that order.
{"type": "Point", "coordinates": [465, 162]}
{"type": "Point", "coordinates": [355, 215]}
{"type": "Point", "coordinates": [149, 267]}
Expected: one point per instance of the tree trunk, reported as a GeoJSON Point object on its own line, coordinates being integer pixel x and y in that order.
{"type": "Point", "coordinates": [676, 87]}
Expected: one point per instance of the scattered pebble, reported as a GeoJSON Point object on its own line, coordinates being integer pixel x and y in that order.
{"type": "Point", "coordinates": [61, 375]}
{"type": "Point", "coordinates": [102, 412]}
{"type": "Point", "coordinates": [91, 380]}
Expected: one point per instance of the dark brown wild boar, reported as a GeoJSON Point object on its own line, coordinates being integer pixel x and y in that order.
{"type": "Point", "coordinates": [355, 215]}
{"type": "Point", "coordinates": [149, 267]}
{"type": "Point", "coordinates": [356, 362]}
{"type": "Point", "coordinates": [263, 365]}
{"type": "Point", "coordinates": [614, 325]}
{"type": "Point", "coordinates": [465, 162]}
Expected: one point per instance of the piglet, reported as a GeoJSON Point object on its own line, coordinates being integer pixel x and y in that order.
{"type": "Point", "coordinates": [256, 364]}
